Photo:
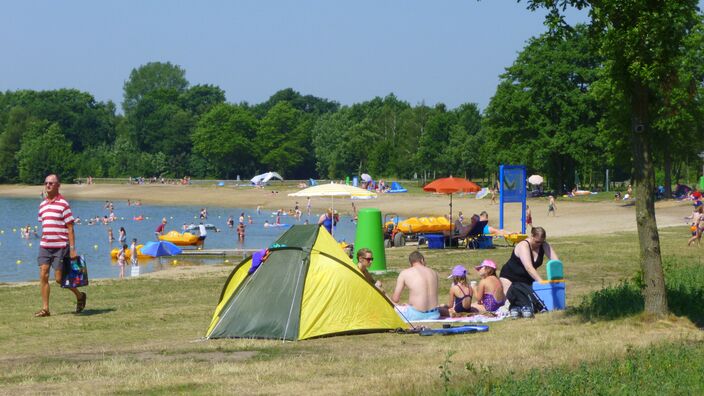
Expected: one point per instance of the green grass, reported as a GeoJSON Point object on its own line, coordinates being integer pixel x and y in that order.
{"type": "Point", "coordinates": [144, 336]}
{"type": "Point", "coordinates": [669, 369]}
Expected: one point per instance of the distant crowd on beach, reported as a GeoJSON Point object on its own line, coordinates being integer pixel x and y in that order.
{"type": "Point", "coordinates": [186, 180]}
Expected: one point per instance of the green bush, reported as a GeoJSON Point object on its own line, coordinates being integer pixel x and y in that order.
{"type": "Point", "coordinates": [684, 281]}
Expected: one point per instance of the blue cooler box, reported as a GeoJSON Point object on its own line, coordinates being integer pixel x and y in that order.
{"type": "Point", "coordinates": [435, 241]}
{"type": "Point", "coordinates": [552, 294]}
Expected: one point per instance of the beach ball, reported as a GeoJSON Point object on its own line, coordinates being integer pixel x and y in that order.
{"type": "Point", "coordinates": [171, 217]}
{"type": "Point", "coordinates": [147, 217]}
{"type": "Point", "coordinates": [95, 247]}
{"type": "Point", "coordinates": [19, 261]}
{"type": "Point", "coordinates": [122, 218]}
{"type": "Point", "coordinates": [227, 261]}
{"type": "Point", "coordinates": [30, 244]}
{"type": "Point", "coordinates": [14, 230]}
{"type": "Point", "coordinates": [2, 231]}
{"type": "Point", "coordinates": [693, 228]}
{"type": "Point", "coordinates": [175, 262]}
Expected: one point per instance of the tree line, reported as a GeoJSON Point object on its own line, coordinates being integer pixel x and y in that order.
{"type": "Point", "coordinates": [555, 110]}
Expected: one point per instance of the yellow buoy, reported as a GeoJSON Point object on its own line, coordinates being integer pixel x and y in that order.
{"type": "Point", "coordinates": [227, 261]}
{"type": "Point", "coordinates": [19, 261]}
{"type": "Point", "coordinates": [175, 262]}
{"type": "Point", "coordinates": [14, 230]}
{"type": "Point", "coordinates": [95, 247]}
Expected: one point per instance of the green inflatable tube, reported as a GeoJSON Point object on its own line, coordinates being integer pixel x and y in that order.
{"type": "Point", "coordinates": [370, 235]}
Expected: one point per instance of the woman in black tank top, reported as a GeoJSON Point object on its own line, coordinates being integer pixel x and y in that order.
{"type": "Point", "coordinates": [525, 258]}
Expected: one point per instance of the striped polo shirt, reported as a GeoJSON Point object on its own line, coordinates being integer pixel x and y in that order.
{"type": "Point", "coordinates": [54, 216]}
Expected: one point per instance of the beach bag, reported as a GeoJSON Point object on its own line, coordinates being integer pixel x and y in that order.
{"type": "Point", "coordinates": [522, 295]}
{"type": "Point", "coordinates": [134, 271]}
{"type": "Point", "coordinates": [75, 273]}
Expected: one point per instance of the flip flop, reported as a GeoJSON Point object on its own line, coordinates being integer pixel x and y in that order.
{"type": "Point", "coordinates": [42, 313]}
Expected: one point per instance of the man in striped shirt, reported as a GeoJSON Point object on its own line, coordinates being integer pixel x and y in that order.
{"type": "Point", "coordinates": [58, 241]}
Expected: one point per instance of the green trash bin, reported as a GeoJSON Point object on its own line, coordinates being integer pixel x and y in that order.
{"type": "Point", "coordinates": [370, 235]}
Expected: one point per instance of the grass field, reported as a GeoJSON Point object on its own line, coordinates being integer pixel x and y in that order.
{"type": "Point", "coordinates": [144, 336]}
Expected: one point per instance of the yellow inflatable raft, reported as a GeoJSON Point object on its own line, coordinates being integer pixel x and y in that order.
{"type": "Point", "coordinates": [179, 239]}
{"type": "Point", "coordinates": [424, 224]}
{"type": "Point", "coordinates": [128, 254]}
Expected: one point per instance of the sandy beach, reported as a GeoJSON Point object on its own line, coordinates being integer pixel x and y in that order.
{"type": "Point", "coordinates": [573, 218]}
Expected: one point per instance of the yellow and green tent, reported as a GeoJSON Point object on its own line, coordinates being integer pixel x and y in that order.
{"type": "Point", "coordinates": [306, 287]}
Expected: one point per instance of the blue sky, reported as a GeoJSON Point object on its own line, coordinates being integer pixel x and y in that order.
{"type": "Point", "coordinates": [423, 51]}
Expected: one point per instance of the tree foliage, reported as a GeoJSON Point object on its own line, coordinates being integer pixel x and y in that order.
{"type": "Point", "coordinates": [545, 114]}
{"type": "Point", "coordinates": [151, 77]}
{"type": "Point", "coordinates": [225, 137]}
{"type": "Point", "coordinates": [44, 150]}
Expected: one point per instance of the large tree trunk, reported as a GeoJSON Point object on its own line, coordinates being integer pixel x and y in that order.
{"type": "Point", "coordinates": [644, 179]}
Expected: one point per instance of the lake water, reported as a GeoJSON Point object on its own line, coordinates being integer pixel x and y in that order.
{"type": "Point", "coordinates": [18, 256]}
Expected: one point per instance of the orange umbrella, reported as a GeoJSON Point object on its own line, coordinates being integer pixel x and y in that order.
{"type": "Point", "coordinates": [451, 185]}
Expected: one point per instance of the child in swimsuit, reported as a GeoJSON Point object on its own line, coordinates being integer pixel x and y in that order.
{"type": "Point", "coordinates": [490, 293]}
{"type": "Point", "coordinates": [122, 260]}
{"type": "Point", "coordinates": [697, 226]}
{"type": "Point", "coordinates": [460, 293]}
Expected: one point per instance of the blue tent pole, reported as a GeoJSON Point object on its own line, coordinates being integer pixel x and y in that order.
{"type": "Point", "coordinates": [523, 215]}
{"type": "Point", "coordinates": [501, 197]}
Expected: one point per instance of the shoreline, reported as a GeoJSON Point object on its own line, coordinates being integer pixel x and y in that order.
{"type": "Point", "coordinates": [573, 217]}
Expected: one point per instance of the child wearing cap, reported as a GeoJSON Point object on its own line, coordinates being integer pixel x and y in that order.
{"type": "Point", "coordinates": [490, 293]}
{"type": "Point", "coordinates": [460, 293]}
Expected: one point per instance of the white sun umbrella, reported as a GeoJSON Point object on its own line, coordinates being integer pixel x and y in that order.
{"type": "Point", "coordinates": [333, 190]}
{"type": "Point", "coordinates": [535, 180]}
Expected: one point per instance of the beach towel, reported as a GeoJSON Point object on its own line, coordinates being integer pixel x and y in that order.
{"type": "Point", "coordinates": [466, 319]}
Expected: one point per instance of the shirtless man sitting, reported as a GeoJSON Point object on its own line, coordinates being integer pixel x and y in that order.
{"type": "Point", "coordinates": [422, 284]}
